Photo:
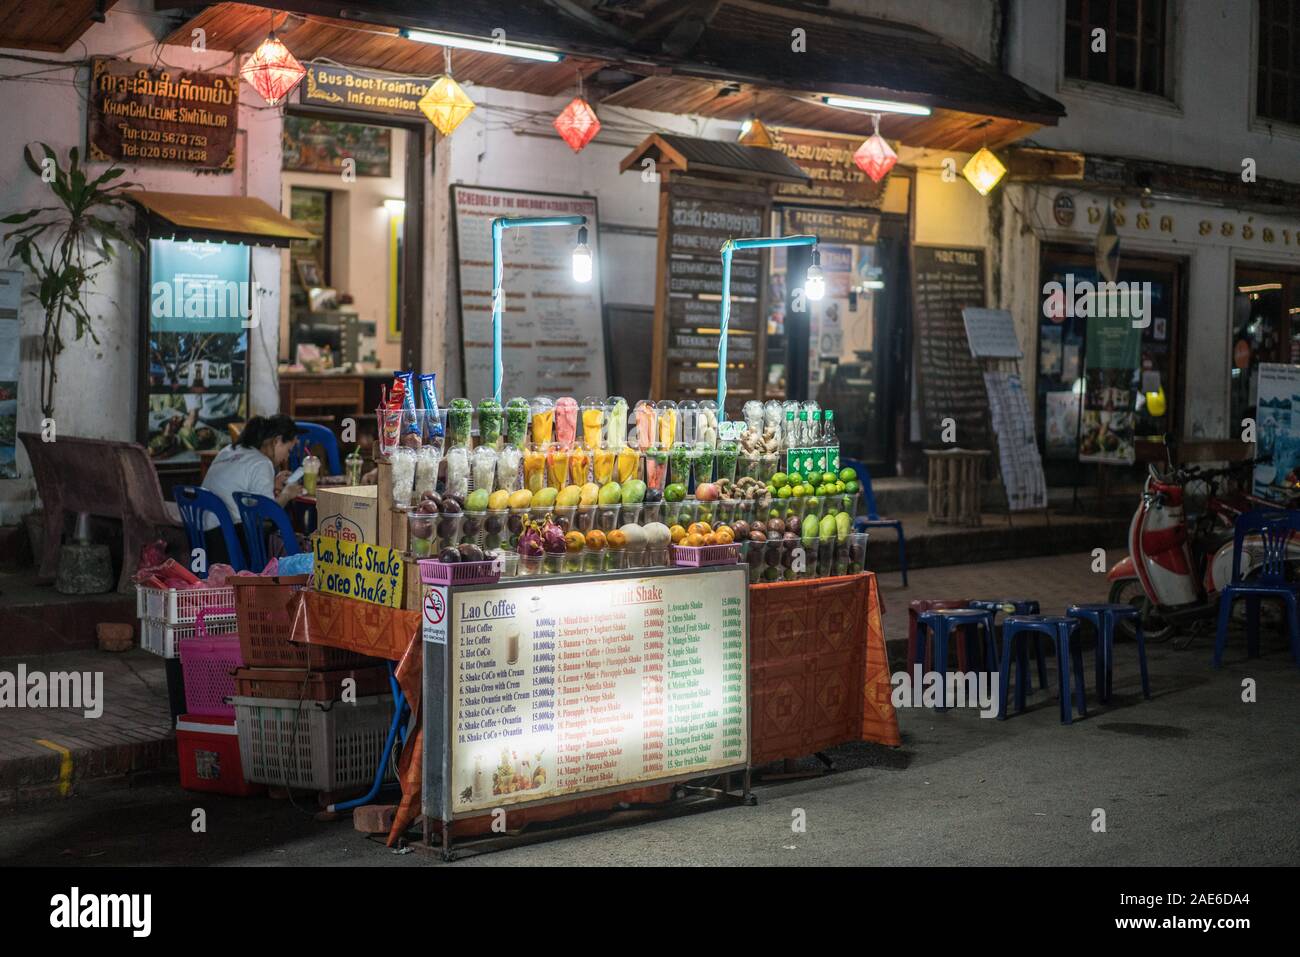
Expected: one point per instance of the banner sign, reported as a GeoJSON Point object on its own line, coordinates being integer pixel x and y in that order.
{"type": "Point", "coordinates": [340, 86]}
{"type": "Point", "coordinates": [1277, 431]}
{"type": "Point", "coordinates": [357, 570]}
{"type": "Point", "coordinates": [137, 114]}
{"type": "Point", "coordinates": [1113, 347]}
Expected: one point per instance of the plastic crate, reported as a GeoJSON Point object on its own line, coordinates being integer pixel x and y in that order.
{"type": "Point", "coordinates": [207, 752]}
{"type": "Point", "coordinates": [208, 665]}
{"type": "Point", "coordinates": [300, 685]}
{"type": "Point", "coordinates": [461, 573]}
{"type": "Point", "coordinates": [698, 557]}
{"type": "Point", "coordinates": [312, 744]}
{"type": "Point", "coordinates": [165, 640]}
{"type": "Point", "coordinates": [266, 622]}
{"type": "Point", "coordinates": [181, 606]}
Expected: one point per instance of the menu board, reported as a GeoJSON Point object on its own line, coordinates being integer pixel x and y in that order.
{"type": "Point", "coordinates": [700, 219]}
{"type": "Point", "coordinates": [553, 341]}
{"type": "Point", "coordinates": [1022, 468]}
{"type": "Point", "coordinates": [583, 686]}
{"type": "Point", "coordinates": [949, 381]}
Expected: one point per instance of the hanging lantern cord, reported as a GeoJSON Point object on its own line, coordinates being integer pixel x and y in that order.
{"type": "Point", "coordinates": [446, 59]}
{"type": "Point", "coordinates": [875, 124]}
{"type": "Point", "coordinates": [580, 96]}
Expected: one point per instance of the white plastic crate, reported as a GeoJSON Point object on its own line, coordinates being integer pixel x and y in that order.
{"type": "Point", "coordinates": [163, 639]}
{"type": "Point", "coordinates": [317, 745]}
{"type": "Point", "coordinates": [174, 606]}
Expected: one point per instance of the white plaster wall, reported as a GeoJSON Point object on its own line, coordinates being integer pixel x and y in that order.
{"type": "Point", "coordinates": [97, 384]}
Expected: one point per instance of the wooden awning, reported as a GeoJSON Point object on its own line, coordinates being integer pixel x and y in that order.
{"type": "Point", "coordinates": [48, 27]}
{"type": "Point", "coordinates": [685, 154]}
{"type": "Point", "coordinates": [234, 218]}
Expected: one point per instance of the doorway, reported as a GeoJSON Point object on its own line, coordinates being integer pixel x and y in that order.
{"type": "Point", "coordinates": [1265, 328]}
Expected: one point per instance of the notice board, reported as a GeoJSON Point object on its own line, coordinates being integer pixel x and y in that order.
{"type": "Point", "coordinates": [949, 381]}
{"type": "Point", "coordinates": [553, 341]}
{"type": "Point", "coordinates": [585, 686]}
{"type": "Point", "coordinates": [696, 219]}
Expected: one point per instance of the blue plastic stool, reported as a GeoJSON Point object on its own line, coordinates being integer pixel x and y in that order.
{"type": "Point", "coordinates": [1059, 628]}
{"type": "Point", "coordinates": [254, 512]}
{"type": "Point", "coordinates": [194, 502]}
{"type": "Point", "coordinates": [1018, 606]}
{"type": "Point", "coordinates": [939, 625]}
{"type": "Point", "coordinates": [1103, 617]}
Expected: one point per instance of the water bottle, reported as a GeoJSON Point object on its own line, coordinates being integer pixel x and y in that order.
{"type": "Point", "coordinates": [832, 442]}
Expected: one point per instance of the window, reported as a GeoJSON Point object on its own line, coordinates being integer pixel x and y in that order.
{"type": "Point", "coordinates": [1277, 91]}
{"type": "Point", "coordinates": [1134, 33]}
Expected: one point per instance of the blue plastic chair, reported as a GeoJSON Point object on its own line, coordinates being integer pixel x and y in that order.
{"type": "Point", "coordinates": [873, 519]}
{"type": "Point", "coordinates": [1103, 617]}
{"type": "Point", "coordinates": [254, 512]}
{"type": "Point", "coordinates": [1058, 628]}
{"type": "Point", "coordinates": [1274, 529]}
{"type": "Point", "coordinates": [938, 626]}
{"type": "Point", "coordinates": [1018, 606]}
{"type": "Point", "coordinates": [194, 502]}
{"type": "Point", "coordinates": [316, 434]}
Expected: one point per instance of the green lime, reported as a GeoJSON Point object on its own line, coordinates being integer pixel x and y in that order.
{"type": "Point", "coordinates": [795, 478]}
{"type": "Point", "coordinates": [779, 479]}
{"type": "Point", "coordinates": [848, 475]}
{"type": "Point", "coordinates": [784, 491]}
{"type": "Point", "coordinates": [851, 487]}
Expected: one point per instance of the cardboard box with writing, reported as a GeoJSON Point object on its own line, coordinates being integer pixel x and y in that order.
{"type": "Point", "coordinates": [350, 513]}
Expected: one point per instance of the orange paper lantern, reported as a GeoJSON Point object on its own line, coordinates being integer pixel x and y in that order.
{"type": "Point", "coordinates": [272, 70]}
{"type": "Point", "coordinates": [577, 124]}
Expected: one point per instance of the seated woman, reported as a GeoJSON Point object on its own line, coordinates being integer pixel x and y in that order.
{"type": "Point", "coordinates": [254, 464]}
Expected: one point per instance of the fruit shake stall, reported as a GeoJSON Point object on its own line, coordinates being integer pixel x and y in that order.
{"type": "Point", "coordinates": [650, 535]}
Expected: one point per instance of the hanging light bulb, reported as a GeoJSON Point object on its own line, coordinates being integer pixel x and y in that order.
{"type": "Point", "coordinates": [577, 123]}
{"type": "Point", "coordinates": [814, 284]}
{"type": "Point", "coordinates": [875, 157]}
{"type": "Point", "coordinates": [983, 171]}
{"type": "Point", "coordinates": [582, 263]}
{"type": "Point", "coordinates": [272, 70]}
{"type": "Point", "coordinates": [445, 104]}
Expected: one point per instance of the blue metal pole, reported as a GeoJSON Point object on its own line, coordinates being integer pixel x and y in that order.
{"type": "Point", "coordinates": [499, 226]}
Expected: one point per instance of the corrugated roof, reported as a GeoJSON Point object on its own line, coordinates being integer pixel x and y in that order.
{"type": "Point", "coordinates": [722, 156]}
{"type": "Point", "coordinates": [238, 215]}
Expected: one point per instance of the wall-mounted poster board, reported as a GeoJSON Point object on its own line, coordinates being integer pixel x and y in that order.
{"type": "Point", "coordinates": [200, 299]}
{"type": "Point", "coordinates": [949, 380]}
{"type": "Point", "coordinates": [696, 219]}
{"type": "Point", "coordinates": [553, 342]}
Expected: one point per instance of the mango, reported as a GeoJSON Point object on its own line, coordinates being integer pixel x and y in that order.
{"type": "Point", "coordinates": [611, 493]}
{"type": "Point", "coordinates": [633, 492]}
{"type": "Point", "coordinates": [498, 500]}
{"type": "Point", "coordinates": [545, 498]}
{"type": "Point", "coordinates": [826, 528]}
{"type": "Point", "coordinates": [569, 495]}
{"type": "Point", "coordinates": [521, 499]}
{"type": "Point", "coordinates": [477, 500]}
{"type": "Point", "coordinates": [842, 522]}
{"type": "Point", "coordinates": [588, 494]}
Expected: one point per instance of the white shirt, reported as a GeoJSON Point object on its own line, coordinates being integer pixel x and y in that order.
{"type": "Point", "coordinates": [238, 468]}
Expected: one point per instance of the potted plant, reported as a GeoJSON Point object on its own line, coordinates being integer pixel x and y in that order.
{"type": "Point", "coordinates": [65, 245]}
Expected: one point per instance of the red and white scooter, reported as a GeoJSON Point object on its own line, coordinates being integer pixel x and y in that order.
{"type": "Point", "coordinates": [1175, 570]}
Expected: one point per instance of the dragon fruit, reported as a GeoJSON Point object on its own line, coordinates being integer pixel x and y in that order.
{"type": "Point", "coordinates": [530, 541]}
{"type": "Point", "coordinates": [553, 538]}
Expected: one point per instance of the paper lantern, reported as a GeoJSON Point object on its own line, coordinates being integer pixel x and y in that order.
{"type": "Point", "coordinates": [875, 158]}
{"type": "Point", "coordinates": [577, 124]}
{"type": "Point", "coordinates": [446, 104]}
{"type": "Point", "coordinates": [983, 171]}
{"type": "Point", "coordinates": [272, 70]}
{"type": "Point", "coordinates": [754, 133]}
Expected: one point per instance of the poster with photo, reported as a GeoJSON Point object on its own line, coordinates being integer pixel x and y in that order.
{"type": "Point", "coordinates": [1113, 350]}
{"type": "Point", "coordinates": [1277, 431]}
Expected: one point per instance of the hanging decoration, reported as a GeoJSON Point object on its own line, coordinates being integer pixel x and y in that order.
{"type": "Point", "coordinates": [445, 104]}
{"type": "Point", "coordinates": [577, 123]}
{"type": "Point", "coordinates": [875, 157]}
{"type": "Point", "coordinates": [754, 133]}
{"type": "Point", "coordinates": [272, 70]}
{"type": "Point", "coordinates": [983, 171]}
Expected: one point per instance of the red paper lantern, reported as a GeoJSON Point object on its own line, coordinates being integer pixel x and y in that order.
{"type": "Point", "coordinates": [577, 124]}
{"type": "Point", "coordinates": [875, 158]}
{"type": "Point", "coordinates": [272, 70]}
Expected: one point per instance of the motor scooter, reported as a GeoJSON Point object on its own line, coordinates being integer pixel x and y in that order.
{"type": "Point", "coordinates": [1177, 566]}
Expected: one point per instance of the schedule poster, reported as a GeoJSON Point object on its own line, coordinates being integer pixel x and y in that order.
{"type": "Point", "coordinates": [575, 687]}
{"type": "Point", "coordinates": [552, 339]}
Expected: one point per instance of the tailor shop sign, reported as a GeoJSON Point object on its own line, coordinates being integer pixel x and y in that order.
{"type": "Point", "coordinates": [137, 115]}
{"type": "Point", "coordinates": [361, 90]}
{"type": "Point", "coordinates": [1179, 222]}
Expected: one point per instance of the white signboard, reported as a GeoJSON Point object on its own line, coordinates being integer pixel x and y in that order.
{"type": "Point", "coordinates": [583, 686]}
{"type": "Point", "coordinates": [1277, 430]}
{"type": "Point", "coordinates": [434, 614]}
{"type": "Point", "coordinates": [553, 341]}
{"type": "Point", "coordinates": [1013, 423]}
{"type": "Point", "coordinates": [991, 333]}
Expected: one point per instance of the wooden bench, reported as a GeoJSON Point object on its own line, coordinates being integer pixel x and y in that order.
{"type": "Point", "coordinates": [101, 477]}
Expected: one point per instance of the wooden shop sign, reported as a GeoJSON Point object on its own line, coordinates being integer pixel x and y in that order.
{"type": "Point", "coordinates": [141, 115]}
{"type": "Point", "coordinates": [339, 86]}
{"type": "Point", "coordinates": [827, 158]}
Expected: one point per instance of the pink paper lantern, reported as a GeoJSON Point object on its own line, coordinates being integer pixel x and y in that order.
{"type": "Point", "coordinates": [577, 124]}
{"type": "Point", "coordinates": [875, 158]}
{"type": "Point", "coordinates": [272, 70]}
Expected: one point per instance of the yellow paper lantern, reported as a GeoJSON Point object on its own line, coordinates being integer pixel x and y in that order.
{"type": "Point", "coordinates": [754, 133]}
{"type": "Point", "coordinates": [983, 171]}
{"type": "Point", "coordinates": [446, 104]}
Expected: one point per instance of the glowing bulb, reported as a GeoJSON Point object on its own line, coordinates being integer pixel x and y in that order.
{"type": "Point", "coordinates": [582, 258]}
{"type": "Point", "coordinates": [814, 284]}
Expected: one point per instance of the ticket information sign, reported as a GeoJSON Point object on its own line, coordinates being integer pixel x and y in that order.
{"type": "Point", "coordinates": [567, 688]}
{"type": "Point", "coordinates": [357, 570]}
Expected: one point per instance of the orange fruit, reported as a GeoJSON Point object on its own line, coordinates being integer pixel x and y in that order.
{"type": "Point", "coordinates": [711, 538]}
{"type": "Point", "coordinates": [699, 528]}
{"type": "Point", "coordinates": [724, 535]}
{"type": "Point", "coordinates": [694, 539]}
{"type": "Point", "coordinates": [595, 539]}
{"type": "Point", "coordinates": [677, 533]}
{"type": "Point", "coordinates": [574, 541]}
{"type": "Point", "coordinates": [616, 539]}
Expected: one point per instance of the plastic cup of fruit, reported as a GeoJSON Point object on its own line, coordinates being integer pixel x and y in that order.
{"type": "Point", "coordinates": [857, 551]}
{"type": "Point", "coordinates": [607, 517]}
{"type": "Point", "coordinates": [749, 465]}
{"type": "Point", "coordinates": [572, 563]}
{"type": "Point", "coordinates": [631, 514]}
{"type": "Point", "coordinates": [602, 466]}
{"type": "Point", "coordinates": [656, 555]}
{"type": "Point", "coordinates": [538, 513]}
{"type": "Point", "coordinates": [472, 527]}
{"type": "Point", "coordinates": [726, 510]}
{"type": "Point", "coordinates": [553, 563]}
{"type": "Point", "coordinates": [825, 556]}
{"type": "Point", "coordinates": [530, 565]}
{"type": "Point", "coordinates": [422, 529]}
{"type": "Point", "coordinates": [584, 518]}
{"type": "Point", "coordinates": [628, 464]}
{"type": "Point", "coordinates": [635, 555]}
{"type": "Point", "coordinates": [615, 559]}
{"type": "Point", "coordinates": [565, 516]}
{"type": "Point", "coordinates": [593, 559]}
{"type": "Point", "coordinates": [650, 512]}
{"type": "Point", "coordinates": [448, 530]}
{"type": "Point", "coordinates": [515, 519]}
{"type": "Point", "coordinates": [509, 564]}
{"type": "Point", "coordinates": [496, 527]}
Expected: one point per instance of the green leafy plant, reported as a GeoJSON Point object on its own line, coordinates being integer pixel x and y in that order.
{"type": "Point", "coordinates": [65, 245]}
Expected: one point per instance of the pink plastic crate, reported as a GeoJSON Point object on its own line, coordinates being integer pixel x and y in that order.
{"type": "Point", "coordinates": [462, 573]}
{"type": "Point", "coordinates": [208, 664]}
{"type": "Point", "coordinates": [698, 557]}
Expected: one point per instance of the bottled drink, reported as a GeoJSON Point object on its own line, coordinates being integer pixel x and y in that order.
{"type": "Point", "coordinates": [353, 467]}
{"type": "Point", "coordinates": [832, 442]}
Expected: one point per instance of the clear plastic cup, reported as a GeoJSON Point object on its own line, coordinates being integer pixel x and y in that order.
{"type": "Point", "coordinates": [530, 565]}
{"type": "Point", "coordinates": [472, 527]}
{"type": "Point", "coordinates": [628, 464]}
{"type": "Point", "coordinates": [449, 529]}
{"type": "Point", "coordinates": [553, 563]}
{"type": "Point", "coordinates": [579, 465]}
{"type": "Point", "coordinates": [656, 555]}
{"type": "Point", "coordinates": [565, 516]}
{"type": "Point", "coordinates": [650, 512]}
{"type": "Point", "coordinates": [496, 533]}
{"type": "Point", "coordinates": [630, 514]}
{"type": "Point", "coordinates": [646, 418]}
{"type": "Point", "coordinates": [857, 552]}
{"type": "Point", "coordinates": [535, 469]}
{"type": "Point", "coordinates": [585, 518]}
{"type": "Point", "coordinates": [422, 534]}
{"type": "Point", "coordinates": [557, 467]}
{"type": "Point", "coordinates": [602, 465]}
{"type": "Point", "coordinates": [615, 559]}
{"type": "Point", "coordinates": [607, 517]}
{"type": "Point", "coordinates": [593, 559]}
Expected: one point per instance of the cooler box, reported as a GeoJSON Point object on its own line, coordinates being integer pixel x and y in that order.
{"type": "Point", "coordinates": [207, 748]}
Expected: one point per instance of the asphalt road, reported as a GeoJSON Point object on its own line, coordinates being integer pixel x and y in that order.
{"type": "Point", "coordinates": [1193, 777]}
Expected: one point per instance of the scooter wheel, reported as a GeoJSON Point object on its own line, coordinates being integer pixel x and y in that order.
{"type": "Point", "coordinates": [1154, 628]}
